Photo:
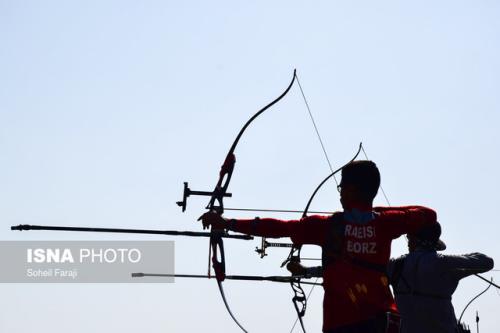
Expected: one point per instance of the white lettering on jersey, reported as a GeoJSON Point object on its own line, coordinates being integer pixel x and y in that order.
{"type": "Point", "coordinates": [360, 232]}
{"type": "Point", "coordinates": [361, 247]}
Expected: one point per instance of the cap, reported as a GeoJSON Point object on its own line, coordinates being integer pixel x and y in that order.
{"type": "Point", "coordinates": [429, 236]}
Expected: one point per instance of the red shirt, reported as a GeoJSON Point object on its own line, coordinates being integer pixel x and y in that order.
{"type": "Point", "coordinates": [352, 293]}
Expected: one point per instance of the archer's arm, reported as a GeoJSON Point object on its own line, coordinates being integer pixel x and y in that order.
{"type": "Point", "coordinates": [461, 266]}
{"type": "Point", "coordinates": [309, 230]}
{"type": "Point", "coordinates": [398, 221]}
{"type": "Point", "coordinates": [264, 227]}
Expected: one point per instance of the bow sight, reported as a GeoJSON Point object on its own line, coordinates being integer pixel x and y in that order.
{"type": "Point", "coordinates": [188, 192]}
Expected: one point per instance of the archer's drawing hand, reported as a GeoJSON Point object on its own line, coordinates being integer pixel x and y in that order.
{"type": "Point", "coordinates": [213, 219]}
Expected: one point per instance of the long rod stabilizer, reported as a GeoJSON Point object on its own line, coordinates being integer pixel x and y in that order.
{"type": "Point", "coordinates": [223, 234]}
{"type": "Point", "coordinates": [272, 278]}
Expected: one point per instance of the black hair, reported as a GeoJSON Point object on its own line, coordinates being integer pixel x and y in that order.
{"type": "Point", "coordinates": [365, 178]}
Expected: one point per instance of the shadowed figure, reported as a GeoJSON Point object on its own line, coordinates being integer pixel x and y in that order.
{"type": "Point", "coordinates": [424, 281]}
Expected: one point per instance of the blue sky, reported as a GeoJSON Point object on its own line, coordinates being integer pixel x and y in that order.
{"type": "Point", "coordinates": [106, 107]}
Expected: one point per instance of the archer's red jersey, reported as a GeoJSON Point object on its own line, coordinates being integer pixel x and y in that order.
{"type": "Point", "coordinates": [352, 293]}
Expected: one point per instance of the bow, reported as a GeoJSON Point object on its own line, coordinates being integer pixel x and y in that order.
{"type": "Point", "coordinates": [216, 203]}
{"type": "Point", "coordinates": [490, 283]}
{"type": "Point", "coordinates": [299, 299]}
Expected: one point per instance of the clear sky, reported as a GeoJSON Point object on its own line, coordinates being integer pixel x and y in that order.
{"type": "Point", "coordinates": [106, 107]}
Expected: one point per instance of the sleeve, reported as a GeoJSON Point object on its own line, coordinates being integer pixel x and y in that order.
{"type": "Point", "coordinates": [461, 266]}
{"type": "Point", "coordinates": [316, 271]}
{"type": "Point", "coordinates": [398, 221]}
{"type": "Point", "coordinates": [309, 230]}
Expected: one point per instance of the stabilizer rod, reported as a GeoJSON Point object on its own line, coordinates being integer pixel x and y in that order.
{"type": "Point", "coordinates": [283, 279]}
{"type": "Point", "coordinates": [223, 234]}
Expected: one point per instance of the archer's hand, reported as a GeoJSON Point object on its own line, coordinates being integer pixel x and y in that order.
{"type": "Point", "coordinates": [296, 268]}
{"type": "Point", "coordinates": [213, 219]}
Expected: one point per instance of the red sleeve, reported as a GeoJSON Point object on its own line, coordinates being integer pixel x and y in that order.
{"type": "Point", "coordinates": [398, 221]}
{"type": "Point", "coordinates": [309, 230]}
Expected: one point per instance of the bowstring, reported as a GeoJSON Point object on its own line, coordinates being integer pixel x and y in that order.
{"type": "Point", "coordinates": [381, 188]}
{"type": "Point", "coordinates": [315, 128]}
{"type": "Point", "coordinates": [329, 165]}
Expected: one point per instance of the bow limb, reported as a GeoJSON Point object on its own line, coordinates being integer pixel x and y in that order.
{"type": "Point", "coordinates": [306, 210]}
{"type": "Point", "coordinates": [221, 289]}
{"type": "Point", "coordinates": [472, 300]}
{"type": "Point", "coordinates": [228, 166]}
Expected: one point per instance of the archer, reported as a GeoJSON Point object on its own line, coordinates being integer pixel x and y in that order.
{"type": "Point", "coordinates": [424, 282]}
{"type": "Point", "coordinates": [355, 246]}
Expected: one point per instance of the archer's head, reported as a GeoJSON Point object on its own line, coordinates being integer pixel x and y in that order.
{"type": "Point", "coordinates": [359, 185]}
{"type": "Point", "coordinates": [427, 238]}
